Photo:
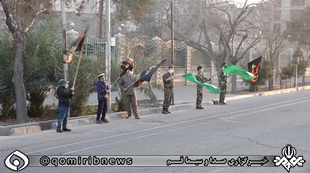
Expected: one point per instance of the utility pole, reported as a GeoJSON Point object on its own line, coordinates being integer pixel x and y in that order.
{"type": "Point", "coordinates": [172, 46]}
{"type": "Point", "coordinates": [297, 63]}
{"type": "Point", "coordinates": [100, 19]}
{"type": "Point", "coordinates": [64, 36]}
{"type": "Point", "coordinates": [64, 41]}
{"type": "Point", "coordinates": [108, 51]}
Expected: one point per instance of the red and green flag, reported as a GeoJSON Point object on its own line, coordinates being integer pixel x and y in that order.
{"type": "Point", "coordinates": [254, 68]}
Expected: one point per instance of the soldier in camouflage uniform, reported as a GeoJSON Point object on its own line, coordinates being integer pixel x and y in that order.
{"type": "Point", "coordinates": [223, 85]}
{"type": "Point", "coordinates": [168, 89]}
{"type": "Point", "coordinates": [199, 77]}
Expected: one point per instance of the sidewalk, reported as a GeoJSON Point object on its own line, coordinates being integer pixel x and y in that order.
{"type": "Point", "coordinates": [185, 98]}
{"type": "Point", "coordinates": [182, 94]}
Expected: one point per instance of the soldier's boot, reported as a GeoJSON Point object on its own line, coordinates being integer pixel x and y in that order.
{"type": "Point", "coordinates": [164, 111]}
{"type": "Point", "coordinates": [199, 107]}
{"type": "Point", "coordinates": [168, 111]}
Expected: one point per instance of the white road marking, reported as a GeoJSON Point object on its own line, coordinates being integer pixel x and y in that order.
{"type": "Point", "coordinates": [260, 108]}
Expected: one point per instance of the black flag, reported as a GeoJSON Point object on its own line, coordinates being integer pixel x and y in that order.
{"type": "Point", "coordinates": [254, 67]}
{"type": "Point", "coordinates": [146, 75]}
{"type": "Point", "coordinates": [74, 47]}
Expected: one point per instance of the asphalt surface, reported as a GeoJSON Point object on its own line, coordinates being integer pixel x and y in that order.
{"type": "Point", "coordinates": [257, 125]}
{"type": "Point", "coordinates": [184, 98]}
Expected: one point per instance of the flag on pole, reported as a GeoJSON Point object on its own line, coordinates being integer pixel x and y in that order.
{"type": "Point", "coordinates": [234, 70]}
{"type": "Point", "coordinates": [127, 64]}
{"type": "Point", "coordinates": [254, 68]}
{"type": "Point", "coordinates": [75, 47]}
{"type": "Point", "coordinates": [146, 75]}
{"type": "Point", "coordinates": [211, 88]}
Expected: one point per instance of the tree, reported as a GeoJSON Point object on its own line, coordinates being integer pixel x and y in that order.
{"type": "Point", "coordinates": [125, 10]}
{"type": "Point", "coordinates": [299, 29]}
{"type": "Point", "coordinates": [133, 10]}
{"type": "Point", "coordinates": [20, 17]}
{"type": "Point", "coordinates": [42, 54]}
{"type": "Point", "coordinates": [272, 39]}
{"type": "Point", "coordinates": [6, 72]}
{"type": "Point", "coordinates": [289, 70]}
{"type": "Point", "coordinates": [221, 31]}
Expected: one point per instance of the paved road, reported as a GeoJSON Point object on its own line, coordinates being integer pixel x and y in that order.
{"type": "Point", "coordinates": [259, 125]}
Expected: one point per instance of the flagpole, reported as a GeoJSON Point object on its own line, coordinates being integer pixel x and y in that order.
{"type": "Point", "coordinates": [115, 81]}
{"type": "Point", "coordinates": [172, 46]}
{"type": "Point", "coordinates": [136, 81]}
{"type": "Point", "coordinates": [78, 65]}
{"type": "Point", "coordinates": [64, 40]}
{"type": "Point", "coordinates": [107, 50]}
{"type": "Point", "coordinates": [145, 74]}
{"type": "Point", "coordinates": [133, 83]}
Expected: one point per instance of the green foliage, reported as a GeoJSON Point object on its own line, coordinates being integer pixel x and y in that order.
{"type": "Point", "coordinates": [119, 104]}
{"type": "Point", "coordinates": [7, 95]}
{"type": "Point", "coordinates": [41, 62]}
{"type": "Point", "coordinates": [302, 67]}
{"type": "Point", "coordinates": [85, 82]}
{"type": "Point", "coordinates": [297, 53]}
{"type": "Point", "coordinates": [140, 63]}
{"type": "Point", "coordinates": [90, 109]}
{"type": "Point", "coordinates": [289, 70]}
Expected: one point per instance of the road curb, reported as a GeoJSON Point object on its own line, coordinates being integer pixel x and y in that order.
{"type": "Point", "coordinates": [91, 119]}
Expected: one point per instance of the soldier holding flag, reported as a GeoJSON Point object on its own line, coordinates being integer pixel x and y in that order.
{"type": "Point", "coordinates": [127, 86]}
{"type": "Point", "coordinates": [223, 84]}
{"type": "Point", "coordinates": [200, 78]}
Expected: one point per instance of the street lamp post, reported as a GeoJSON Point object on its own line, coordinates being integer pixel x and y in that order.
{"type": "Point", "coordinates": [64, 40]}
{"type": "Point", "coordinates": [172, 46]}
{"type": "Point", "coordinates": [108, 50]}
{"type": "Point", "coordinates": [297, 63]}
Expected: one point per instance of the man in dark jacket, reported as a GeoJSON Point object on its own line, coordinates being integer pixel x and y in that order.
{"type": "Point", "coordinates": [127, 86]}
{"type": "Point", "coordinates": [103, 93]}
{"type": "Point", "coordinates": [64, 95]}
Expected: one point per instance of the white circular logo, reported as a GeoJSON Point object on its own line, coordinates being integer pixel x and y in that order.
{"type": "Point", "coordinates": [13, 161]}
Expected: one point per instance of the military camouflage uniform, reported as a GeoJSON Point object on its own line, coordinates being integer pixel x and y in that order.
{"type": "Point", "coordinates": [168, 90]}
{"type": "Point", "coordinates": [223, 86]}
{"type": "Point", "coordinates": [130, 94]}
{"type": "Point", "coordinates": [199, 77]}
